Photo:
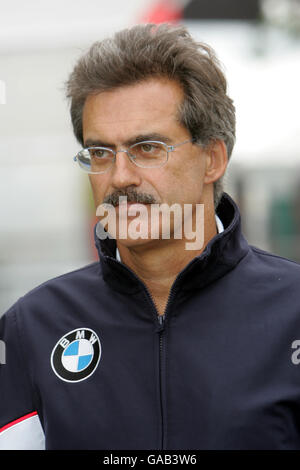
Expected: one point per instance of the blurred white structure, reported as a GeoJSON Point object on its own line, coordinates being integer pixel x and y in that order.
{"type": "Point", "coordinates": [262, 66]}
{"type": "Point", "coordinates": [44, 211]}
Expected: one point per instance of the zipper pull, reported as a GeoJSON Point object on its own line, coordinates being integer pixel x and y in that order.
{"type": "Point", "coordinates": [161, 322]}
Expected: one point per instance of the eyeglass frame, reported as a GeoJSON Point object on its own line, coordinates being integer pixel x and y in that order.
{"type": "Point", "coordinates": [169, 148]}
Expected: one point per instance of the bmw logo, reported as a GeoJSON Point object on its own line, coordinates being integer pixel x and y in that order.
{"type": "Point", "coordinates": [76, 355]}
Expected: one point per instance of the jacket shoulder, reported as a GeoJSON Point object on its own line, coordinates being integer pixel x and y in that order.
{"type": "Point", "coordinates": [66, 283]}
{"type": "Point", "coordinates": [273, 258]}
{"type": "Point", "coordinates": [272, 266]}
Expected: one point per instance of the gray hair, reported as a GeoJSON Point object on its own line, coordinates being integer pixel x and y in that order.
{"type": "Point", "coordinates": [145, 51]}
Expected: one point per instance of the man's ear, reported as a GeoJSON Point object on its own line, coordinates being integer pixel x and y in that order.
{"type": "Point", "coordinates": [216, 161]}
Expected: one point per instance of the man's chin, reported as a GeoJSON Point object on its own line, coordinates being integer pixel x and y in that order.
{"type": "Point", "coordinates": [131, 238]}
{"type": "Point", "coordinates": [135, 243]}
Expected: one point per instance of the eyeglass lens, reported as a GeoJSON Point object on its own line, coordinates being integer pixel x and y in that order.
{"type": "Point", "coordinates": [144, 154]}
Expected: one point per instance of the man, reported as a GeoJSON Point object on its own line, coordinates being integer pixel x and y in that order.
{"type": "Point", "coordinates": [156, 346]}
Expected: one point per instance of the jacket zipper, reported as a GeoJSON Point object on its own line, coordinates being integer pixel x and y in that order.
{"type": "Point", "coordinates": [160, 330]}
{"type": "Point", "coordinates": [161, 320]}
{"type": "Point", "coordinates": [161, 326]}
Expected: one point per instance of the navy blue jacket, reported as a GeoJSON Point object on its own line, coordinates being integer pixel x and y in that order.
{"type": "Point", "coordinates": [91, 365]}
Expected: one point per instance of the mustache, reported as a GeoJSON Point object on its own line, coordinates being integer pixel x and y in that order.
{"type": "Point", "coordinates": [132, 196]}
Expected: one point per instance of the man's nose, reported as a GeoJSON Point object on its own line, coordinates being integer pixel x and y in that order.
{"type": "Point", "coordinates": [124, 171]}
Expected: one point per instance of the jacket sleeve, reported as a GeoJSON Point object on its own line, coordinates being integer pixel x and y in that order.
{"type": "Point", "coordinates": [20, 427]}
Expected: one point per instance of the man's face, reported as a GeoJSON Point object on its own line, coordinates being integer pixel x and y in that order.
{"type": "Point", "coordinates": [144, 111]}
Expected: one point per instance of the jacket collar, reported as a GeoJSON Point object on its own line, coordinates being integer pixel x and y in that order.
{"type": "Point", "coordinates": [221, 254]}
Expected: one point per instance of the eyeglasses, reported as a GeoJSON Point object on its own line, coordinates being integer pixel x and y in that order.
{"type": "Point", "coordinates": [146, 154]}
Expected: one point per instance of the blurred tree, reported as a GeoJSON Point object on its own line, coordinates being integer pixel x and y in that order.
{"type": "Point", "coordinates": [282, 13]}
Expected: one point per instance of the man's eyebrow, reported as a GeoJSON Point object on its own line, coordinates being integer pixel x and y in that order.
{"type": "Point", "coordinates": [96, 143]}
{"type": "Point", "coordinates": [151, 136]}
{"type": "Point", "coordinates": [134, 140]}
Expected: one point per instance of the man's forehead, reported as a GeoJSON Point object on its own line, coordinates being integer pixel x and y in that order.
{"type": "Point", "coordinates": [146, 108]}
{"type": "Point", "coordinates": [129, 127]}
{"type": "Point", "coordinates": [140, 122]}
{"type": "Point", "coordinates": [156, 98]}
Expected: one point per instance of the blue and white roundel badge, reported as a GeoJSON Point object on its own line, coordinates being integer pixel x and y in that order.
{"type": "Point", "coordinates": [76, 355]}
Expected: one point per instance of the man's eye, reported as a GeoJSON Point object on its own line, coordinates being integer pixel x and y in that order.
{"type": "Point", "coordinates": [147, 148]}
{"type": "Point", "coordinates": [99, 153]}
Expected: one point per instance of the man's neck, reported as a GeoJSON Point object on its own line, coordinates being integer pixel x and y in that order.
{"type": "Point", "coordinates": [158, 264]}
